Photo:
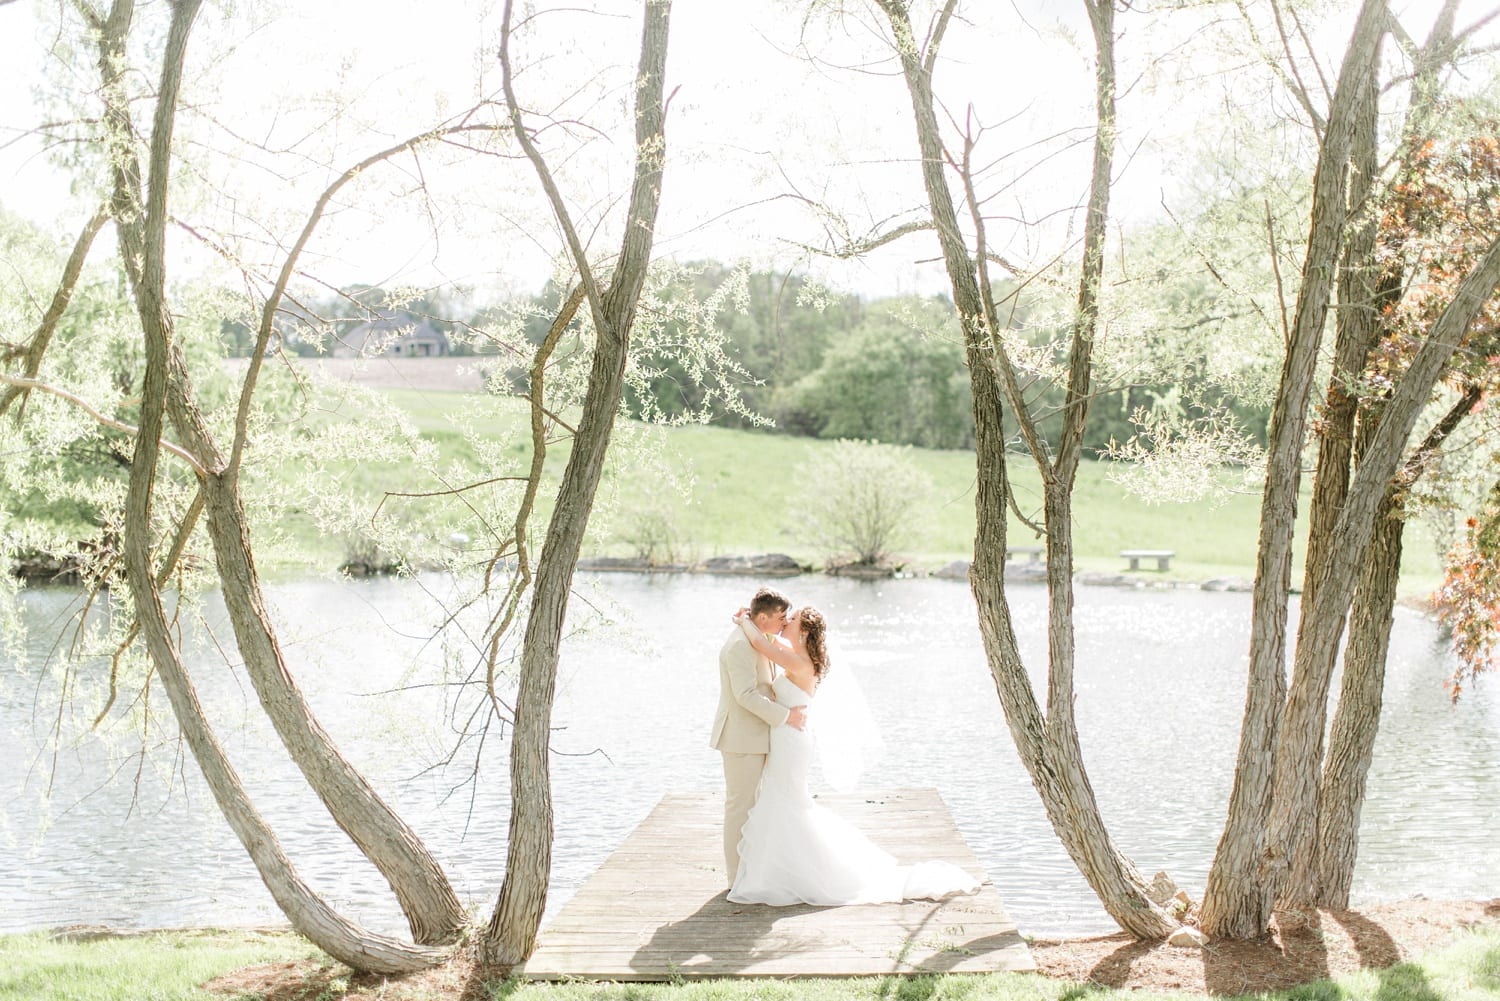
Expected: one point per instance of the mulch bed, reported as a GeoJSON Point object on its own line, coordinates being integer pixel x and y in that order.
{"type": "Point", "coordinates": [1329, 945]}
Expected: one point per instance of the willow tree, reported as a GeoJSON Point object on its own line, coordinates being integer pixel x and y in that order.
{"type": "Point", "coordinates": [161, 514]}
{"type": "Point", "coordinates": [612, 303]}
{"type": "Point", "coordinates": [1388, 443]}
{"type": "Point", "coordinates": [1047, 740]}
{"type": "Point", "coordinates": [1436, 220]}
{"type": "Point", "coordinates": [1268, 847]}
{"type": "Point", "coordinates": [139, 208]}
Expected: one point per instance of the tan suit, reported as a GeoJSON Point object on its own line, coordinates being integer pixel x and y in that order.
{"type": "Point", "coordinates": [742, 734]}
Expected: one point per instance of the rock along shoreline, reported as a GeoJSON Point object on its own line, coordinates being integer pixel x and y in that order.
{"type": "Point", "coordinates": [782, 565]}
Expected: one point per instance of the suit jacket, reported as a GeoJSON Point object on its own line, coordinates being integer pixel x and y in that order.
{"type": "Point", "coordinates": [746, 709]}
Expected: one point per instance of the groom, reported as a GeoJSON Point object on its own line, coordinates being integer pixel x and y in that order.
{"type": "Point", "coordinates": [742, 727]}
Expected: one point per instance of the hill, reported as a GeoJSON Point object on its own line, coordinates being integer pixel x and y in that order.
{"type": "Point", "coordinates": [707, 491]}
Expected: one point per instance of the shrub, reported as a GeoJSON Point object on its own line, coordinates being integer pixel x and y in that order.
{"type": "Point", "coordinates": [859, 498]}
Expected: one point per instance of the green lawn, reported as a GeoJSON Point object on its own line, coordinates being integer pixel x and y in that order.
{"type": "Point", "coordinates": [158, 967]}
{"type": "Point", "coordinates": [726, 491]}
{"type": "Point", "coordinates": [171, 966]}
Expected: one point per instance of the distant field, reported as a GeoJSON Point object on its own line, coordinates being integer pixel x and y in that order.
{"type": "Point", "coordinates": [747, 488]}
{"type": "Point", "coordinates": [450, 373]}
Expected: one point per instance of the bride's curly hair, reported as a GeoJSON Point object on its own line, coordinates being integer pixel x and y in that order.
{"type": "Point", "coordinates": [814, 630]}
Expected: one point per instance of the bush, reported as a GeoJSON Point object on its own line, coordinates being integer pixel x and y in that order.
{"type": "Point", "coordinates": [859, 500]}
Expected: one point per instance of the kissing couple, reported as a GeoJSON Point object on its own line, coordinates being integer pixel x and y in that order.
{"type": "Point", "coordinates": [775, 716]}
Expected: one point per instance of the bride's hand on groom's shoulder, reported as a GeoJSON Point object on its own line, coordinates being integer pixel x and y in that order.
{"type": "Point", "coordinates": [737, 616]}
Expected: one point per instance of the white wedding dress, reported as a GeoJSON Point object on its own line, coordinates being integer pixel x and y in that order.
{"type": "Point", "coordinates": [793, 851]}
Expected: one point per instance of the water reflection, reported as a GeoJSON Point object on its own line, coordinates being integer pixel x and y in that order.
{"type": "Point", "coordinates": [135, 840]}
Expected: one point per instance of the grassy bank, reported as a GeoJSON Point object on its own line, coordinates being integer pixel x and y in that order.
{"type": "Point", "coordinates": [725, 491]}
{"type": "Point", "coordinates": [162, 967]}
{"type": "Point", "coordinates": [172, 967]}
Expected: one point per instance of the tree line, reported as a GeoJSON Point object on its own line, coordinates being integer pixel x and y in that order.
{"type": "Point", "coordinates": [806, 360]}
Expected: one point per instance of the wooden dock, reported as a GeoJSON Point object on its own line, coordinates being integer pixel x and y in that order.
{"type": "Point", "coordinates": [656, 909]}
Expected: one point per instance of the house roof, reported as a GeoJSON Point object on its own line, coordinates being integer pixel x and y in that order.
{"type": "Point", "coordinates": [387, 332]}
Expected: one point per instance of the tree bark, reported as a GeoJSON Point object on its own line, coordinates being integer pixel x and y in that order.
{"type": "Point", "coordinates": [1365, 294]}
{"type": "Point", "coordinates": [1237, 900]}
{"type": "Point", "coordinates": [1048, 746]}
{"type": "Point", "coordinates": [1356, 723]}
{"type": "Point", "coordinates": [511, 934]}
{"type": "Point", "coordinates": [431, 906]}
{"type": "Point", "coordinates": [1293, 840]}
{"type": "Point", "coordinates": [1357, 524]}
{"type": "Point", "coordinates": [308, 913]}
{"type": "Point", "coordinates": [1351, 745]}
{"type": "Point", "coordinates": [1299, 751]}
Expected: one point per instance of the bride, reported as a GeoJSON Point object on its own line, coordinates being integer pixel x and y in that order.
{"type": "Point", "coordinates": [792, 850]}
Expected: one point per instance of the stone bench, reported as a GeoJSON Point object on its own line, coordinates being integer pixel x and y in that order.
{"type": "Point", "coordinates": [1033, 553]}
{"type": "Point", "coordinates": [1163, 557]}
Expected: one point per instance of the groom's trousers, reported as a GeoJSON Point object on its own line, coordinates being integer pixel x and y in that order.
{"type": "Point", "coordinates": [741, 781]}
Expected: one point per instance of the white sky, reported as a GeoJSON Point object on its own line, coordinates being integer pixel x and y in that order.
{"type": "Point", "coordinates": [752, 122]}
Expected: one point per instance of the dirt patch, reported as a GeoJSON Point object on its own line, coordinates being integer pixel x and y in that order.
{"type": "Point", "coordinates": [1332, 944]}
{"type": "Point", "coordinates": [309, 980]}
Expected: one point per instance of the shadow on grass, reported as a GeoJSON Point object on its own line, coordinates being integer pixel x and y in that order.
{"type": "Point", "coordinates": [1405, 982]}
{"type": "Point", "coordinates": [1487, 971]}
{"type": "Point", "coordinates": [907, 988]}
{"type": "Point", "coordinates": [1323, 990]}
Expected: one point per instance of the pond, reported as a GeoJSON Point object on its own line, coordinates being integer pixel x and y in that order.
{"type": "Point", "coordinates": [133, 839]}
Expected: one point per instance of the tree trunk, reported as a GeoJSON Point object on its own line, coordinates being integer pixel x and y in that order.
{"type": "Point", "coordinates": [1356, 527]}
{"type": "Point", "coordinates": [1291, 851]}
{"type": "Point", "coordinates": [431, 906]}
{"type": "Point", "coordinates": [308, 913]}
{"type": "Point", "coordinates": [1299, 753]}
{"type": "Point", "coordinates": [428, 900]}
{"type": "Point", "coordinates": [1237, 900]}
{"type": "Point", "coordinates": [1048, 748]}
{"type": "Point", "coordinates": [1293, 846]}
{"type": "Point", "coordinates": [1351, 745]}
{"type": "Point", "coordinates": [1355, 724]}
{"type": "Point", "coordinates": [511, 934]}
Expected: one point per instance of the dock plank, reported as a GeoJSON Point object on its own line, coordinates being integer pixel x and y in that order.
{"type": "Point", "coordinates": [656, 908]}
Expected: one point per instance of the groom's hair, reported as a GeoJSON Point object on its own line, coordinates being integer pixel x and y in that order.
{"type": "Point", "coordinates": [768, 600]}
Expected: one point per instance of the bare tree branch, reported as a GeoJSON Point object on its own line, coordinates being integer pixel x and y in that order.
{"type": "Point", "coordinates": [1286, 330]}
{"type": "Point", "coordinates": [1322, 78]}
{"type": "Point", "coordinates": [537, 395]}
{"type": "Point", "coordinates": [102, 418]}
{"type": "Point", "coordinates": [936, 39]}
{"type": "Point", "coordinates": [37, 347]}
{"type": "Point", "coordinates": [1292, 81]}
{"type": "Point", "coordinates": [164, 574]}
{"type": "Point", "coordinates": [544, 173]}
{"type": "Point", "coordinates": [997, 357]}
{"type": "Point", "coordinates": [289, 266]}
{"type": "Point", "coordinates": [1421, 457]}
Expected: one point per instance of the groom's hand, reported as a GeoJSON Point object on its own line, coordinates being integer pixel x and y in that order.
{"type": "Point", "coordinates": [796, 717]}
